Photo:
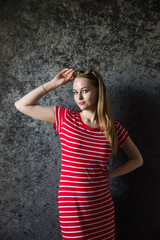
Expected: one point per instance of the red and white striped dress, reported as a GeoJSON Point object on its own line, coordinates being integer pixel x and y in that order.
{"type": "Point", "coordinates": [86, 208]}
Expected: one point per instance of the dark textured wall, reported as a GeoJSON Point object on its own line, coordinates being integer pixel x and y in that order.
{"type": "Point", "coordinates": [38, 39]}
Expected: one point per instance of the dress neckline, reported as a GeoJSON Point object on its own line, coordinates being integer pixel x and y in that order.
{"type": "Point", "coordinates": [86, 126]}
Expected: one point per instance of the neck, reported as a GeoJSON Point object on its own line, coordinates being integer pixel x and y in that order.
{"type": "Point", "coordinates": [90, 116]}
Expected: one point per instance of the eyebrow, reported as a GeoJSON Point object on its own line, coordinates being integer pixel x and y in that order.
{"type": "Point", "coordinates": [81, 88]}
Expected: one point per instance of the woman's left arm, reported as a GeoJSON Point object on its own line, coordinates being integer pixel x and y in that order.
{"type": "Point", "coordinates": [135, 160]}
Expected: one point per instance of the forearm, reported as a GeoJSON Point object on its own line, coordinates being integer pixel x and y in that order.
{"type": "Point", "coordinates": [32, 97]}
{"type": "Point", "coordinates": [125, 168]}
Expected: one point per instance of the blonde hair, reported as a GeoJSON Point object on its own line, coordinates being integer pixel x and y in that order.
{"type": "Point", "coordinates": [104, 111]}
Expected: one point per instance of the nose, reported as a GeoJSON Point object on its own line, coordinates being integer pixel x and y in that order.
{"type": "Point", "coordinates": [80, 96]}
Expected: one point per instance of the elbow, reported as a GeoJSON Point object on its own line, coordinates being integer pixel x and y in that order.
{"type": "Point", "coordinates": [141, 161]}
{"type": "Point", "coordinates": [16, 105]}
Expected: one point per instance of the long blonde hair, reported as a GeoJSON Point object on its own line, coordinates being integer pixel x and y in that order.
{"type": "Point", "coordinates": [104, 111]}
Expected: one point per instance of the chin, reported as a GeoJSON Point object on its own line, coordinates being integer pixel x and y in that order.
{"type": "Point", "coordinates": [82, 107]}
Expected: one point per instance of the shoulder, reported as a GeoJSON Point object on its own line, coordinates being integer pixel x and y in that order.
{"type": "Point", "coordinates": [121, 131]}
{"type": "Point", "coordinates": [59, 110]}
{"type": "Point", "coordinates": [119, 126]}
{"type": "Point", "coordinates": [116, 122]}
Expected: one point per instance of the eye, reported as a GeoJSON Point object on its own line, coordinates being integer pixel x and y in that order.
{"type": "Point", "coordinates": [85, 91]}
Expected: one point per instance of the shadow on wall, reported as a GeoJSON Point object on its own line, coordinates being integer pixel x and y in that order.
{"type": "Point", "coordinates": [137, 203]}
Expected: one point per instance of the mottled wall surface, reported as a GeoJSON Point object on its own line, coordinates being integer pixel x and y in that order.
{"type": "Point", "coordinates": [118, 38]}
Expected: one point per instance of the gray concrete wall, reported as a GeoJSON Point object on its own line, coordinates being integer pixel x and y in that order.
{"type": "Point", "coordinates": [120, 39]}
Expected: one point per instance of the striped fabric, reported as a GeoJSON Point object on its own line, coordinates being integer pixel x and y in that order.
{"type": "Point", "coordinates": [86, 208]}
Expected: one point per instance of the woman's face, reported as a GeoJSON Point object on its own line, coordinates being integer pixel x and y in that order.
{"type": "Point", "coordinates": [85, 94]}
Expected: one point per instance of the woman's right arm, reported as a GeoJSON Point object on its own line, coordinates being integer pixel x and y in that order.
{"type": "Point", "coordinates": [28, 104]}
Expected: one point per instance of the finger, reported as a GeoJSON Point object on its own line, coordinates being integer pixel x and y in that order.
{"type": "Point", "coordinates": [69, 71]}
{"type": "Point", "coordinates": [72, 74]}
{"type": "Point", "coordinates": [69, 75]}
{"type": "Point", "coordinates": [69, 79]}
{"type": "Point", "coordinates": [64, 70]}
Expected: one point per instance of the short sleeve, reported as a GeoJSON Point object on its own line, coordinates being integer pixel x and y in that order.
{"type": "Point", "coordinates": [122, 133]}
{"type": "Point", "coordinates": [59, 117]}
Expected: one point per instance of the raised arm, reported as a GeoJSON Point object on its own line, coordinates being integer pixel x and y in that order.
{"type": "Point", "coordinates": [28, 103]}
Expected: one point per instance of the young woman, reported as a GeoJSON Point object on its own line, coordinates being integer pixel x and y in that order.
{"type": "Point", "coordinates": [88, 139]}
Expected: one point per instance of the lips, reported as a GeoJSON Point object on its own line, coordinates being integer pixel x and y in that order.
{"type": "Point", "coordinates": [81, 103]}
